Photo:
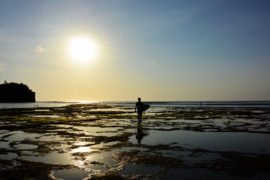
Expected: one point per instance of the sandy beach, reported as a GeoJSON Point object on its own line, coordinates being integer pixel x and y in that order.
{"type": "Point", "coordinates": [102, 141]}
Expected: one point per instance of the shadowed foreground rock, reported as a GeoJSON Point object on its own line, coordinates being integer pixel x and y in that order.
{"type": "Point", "coordinates": [14, 92]}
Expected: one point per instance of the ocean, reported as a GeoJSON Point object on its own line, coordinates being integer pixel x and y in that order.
{"type": "Point", "coordinates": [223, 104]}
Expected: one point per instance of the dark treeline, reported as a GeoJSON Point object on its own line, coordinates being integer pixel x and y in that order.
{"type": "Point", "coordinates": [15, 92]}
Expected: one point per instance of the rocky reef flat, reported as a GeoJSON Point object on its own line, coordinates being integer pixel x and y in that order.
{"type": "Point", "coordinates": [102, 141]}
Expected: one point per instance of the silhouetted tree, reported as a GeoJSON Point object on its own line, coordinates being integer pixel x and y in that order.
{"type": "Point", "coordinates": [14, 92]}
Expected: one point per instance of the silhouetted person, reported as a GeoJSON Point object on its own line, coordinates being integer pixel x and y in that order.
{"type": "Point", "coordinates": [139, 110]}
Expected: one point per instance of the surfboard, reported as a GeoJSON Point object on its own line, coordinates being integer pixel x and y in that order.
{"type": "Point", "coordinates": [145, 107]}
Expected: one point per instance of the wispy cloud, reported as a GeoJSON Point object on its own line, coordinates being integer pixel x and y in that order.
{"type": "Point", "coordinates": [40, 49]}
{"type": "Point", "coordinates": [2, 66]}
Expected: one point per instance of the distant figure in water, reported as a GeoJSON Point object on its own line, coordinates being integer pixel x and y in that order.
{"type": "Point", "coordinates": [139, 110]}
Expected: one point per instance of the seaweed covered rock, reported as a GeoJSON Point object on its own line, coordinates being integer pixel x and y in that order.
{"type": "Point", "coordinates": [14, 92]}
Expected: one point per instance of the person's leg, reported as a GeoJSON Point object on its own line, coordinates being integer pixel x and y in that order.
{"type": "Point", "coordinates": [139, 118]}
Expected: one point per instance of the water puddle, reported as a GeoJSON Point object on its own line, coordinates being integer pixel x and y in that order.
{"type": "Point", "coordinates": [51, 137]}
{"type": "Point", "coordinates": [81, 149]}
{"type": "Point", "coordinates": [66, 126]}
{"type": "Point", "coordinates": [131, 170]}
{"type": "Point", "coordinates": [44, 116]}
{"type": "Point", "coordinates": [220, 141]}
{"type": "Point", "coordinates": [52, 158]}
{"type": "Point", "coordinates": [95, 167]}
{"type": "Point", "coordinates": [94, 131]}
{"type": "Point", "coordinates": [8, 156]}
{"type": "Point", "coordinates": [103, 158]}
{"type": "Point", "coordinates": [3, 131]}
{"type": "Point", "coordinates": [197, 174]}
{"type": "Point", "coordinates": [20, 135]}
{"type": "Point", "coordinates": [41, 110]}
{"type": "Point", "coordinates": [4, 144]}
{"type": "Point", "coordinates": [109, 110]}
{"type": "Point", "coordinates": [25, 146]}
{"type": "Point", "coordinates": [70, 174]}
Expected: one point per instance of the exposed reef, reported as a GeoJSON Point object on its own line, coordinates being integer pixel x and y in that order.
{"type": "Point", "coordinates": [100, 141]}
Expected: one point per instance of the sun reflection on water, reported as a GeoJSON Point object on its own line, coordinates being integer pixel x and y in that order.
{"type": "Point", "coordinates": [81, 149]}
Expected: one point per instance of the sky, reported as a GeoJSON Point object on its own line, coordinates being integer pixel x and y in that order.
{"type": "Point", "coordinates": [173, 50]}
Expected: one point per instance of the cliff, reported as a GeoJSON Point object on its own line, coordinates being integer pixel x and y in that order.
{"type": "Point", "coordinates": [14, 92]}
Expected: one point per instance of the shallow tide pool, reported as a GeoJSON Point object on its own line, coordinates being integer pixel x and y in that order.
{"type": "Point", "coordinates": [217, 141]}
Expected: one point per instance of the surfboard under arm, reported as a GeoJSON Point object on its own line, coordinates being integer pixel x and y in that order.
{"type": "Point", "coordinates": [145, 107]}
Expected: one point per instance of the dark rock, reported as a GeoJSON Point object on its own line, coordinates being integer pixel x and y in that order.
{"type": "Point", "coordinates": [14, 92]}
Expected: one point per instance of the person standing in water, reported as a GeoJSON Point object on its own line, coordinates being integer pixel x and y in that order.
{"type": "Point", "coordinates": [139, 110]}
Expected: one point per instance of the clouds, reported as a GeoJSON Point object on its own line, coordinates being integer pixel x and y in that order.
{"type": "Point", "coordinates": [40, 49]}
{"type": "Point", "coordinates": [2, 66]}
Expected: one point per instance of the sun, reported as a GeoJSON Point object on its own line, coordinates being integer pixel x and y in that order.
{"type": "Point", "coordinates": [82, 49]}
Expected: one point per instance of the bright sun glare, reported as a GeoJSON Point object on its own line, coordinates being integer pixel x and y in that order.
{"type": "Point", "coordinates": [83, 49]}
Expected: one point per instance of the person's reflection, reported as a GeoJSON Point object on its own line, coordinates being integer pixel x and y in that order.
{"type": "Point", "coordinates": [140, 134]}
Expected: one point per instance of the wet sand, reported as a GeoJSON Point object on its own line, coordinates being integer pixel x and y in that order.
{"type": "Point", "coordinates": [101, 141]}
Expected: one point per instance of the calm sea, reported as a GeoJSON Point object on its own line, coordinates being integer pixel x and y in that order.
{"type": "Point", "coordinates": [34, 105]}
{"type": "Point", "coordinates": [247, 104]}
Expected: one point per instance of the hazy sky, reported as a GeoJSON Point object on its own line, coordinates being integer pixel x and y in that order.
{"type": "Point", "coordinates": [158, 50]}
